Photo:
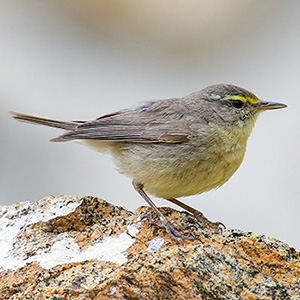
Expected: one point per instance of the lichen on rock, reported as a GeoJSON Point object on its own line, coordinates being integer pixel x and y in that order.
{"type": "Point", "coordinates": [85, 248]}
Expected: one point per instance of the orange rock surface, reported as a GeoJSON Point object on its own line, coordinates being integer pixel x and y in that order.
{"type": "Point", "coordinates": [85, 248]}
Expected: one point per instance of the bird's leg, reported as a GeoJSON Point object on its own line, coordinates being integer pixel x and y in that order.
{"type": "Point", "coordinates": [172, 231]}
{"type": "Point", "coordinates": [198, 215]}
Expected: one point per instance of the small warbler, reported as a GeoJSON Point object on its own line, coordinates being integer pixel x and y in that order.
{"type": "Point", "coordinates": [173, 147]}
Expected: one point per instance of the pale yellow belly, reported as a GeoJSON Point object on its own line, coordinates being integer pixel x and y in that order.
{"type": "Point", "coordinates": [166, 174]}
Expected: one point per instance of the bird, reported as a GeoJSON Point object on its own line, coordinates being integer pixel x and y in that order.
{"type": "Point", "coordinates": [175, 147]}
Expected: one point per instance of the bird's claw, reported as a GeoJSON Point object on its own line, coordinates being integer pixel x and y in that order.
{"type": "Point", "coordinates": [172, 230]}
{"type": "Point", "coordinates": [216, 226]}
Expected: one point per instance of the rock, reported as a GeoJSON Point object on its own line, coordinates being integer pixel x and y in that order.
{"type": "Point", "coordinates": [85, 248]}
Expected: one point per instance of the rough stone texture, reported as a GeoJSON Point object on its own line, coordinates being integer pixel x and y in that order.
{"type": "Point", "coordinates": [85, 248]}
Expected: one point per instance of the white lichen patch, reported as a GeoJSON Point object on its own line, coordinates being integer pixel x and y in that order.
{"type": "Point", "coordinates": [133, 230]}
{"type": "Point", "coordinates": [65, 250]}
{"type": "Point", "coordinates": [16, 251]}
{"type": "Point", "coordinates": [155, 244]}
{"type": "Point", "coordinates": [112, 291]}
{"type": "Point", "coordinates": [14, 219]}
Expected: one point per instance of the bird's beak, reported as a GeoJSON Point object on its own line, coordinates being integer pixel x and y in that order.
{"type": "Point", "coordinates": [269, 105]}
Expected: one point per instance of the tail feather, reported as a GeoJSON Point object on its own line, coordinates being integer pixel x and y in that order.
{"type": "Point", "coordinates": [43, 121]}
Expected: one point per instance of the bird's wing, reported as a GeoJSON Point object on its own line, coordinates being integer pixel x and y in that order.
{"type": "Point", "coordinates": [133, 126]}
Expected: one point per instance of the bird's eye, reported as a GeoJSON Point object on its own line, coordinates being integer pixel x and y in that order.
{"type": "Point", "coordinates": [237, 103]}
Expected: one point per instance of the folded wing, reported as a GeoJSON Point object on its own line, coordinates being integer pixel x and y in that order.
{"type": "Point", "coordinates": [130, 127]}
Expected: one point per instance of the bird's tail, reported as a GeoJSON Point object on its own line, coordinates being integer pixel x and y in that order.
{"type": "Point", "coordinates": [43, 121]}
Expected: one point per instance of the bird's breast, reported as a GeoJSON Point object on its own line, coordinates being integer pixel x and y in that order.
{"type": "Point", "coordinates": [170, 171]}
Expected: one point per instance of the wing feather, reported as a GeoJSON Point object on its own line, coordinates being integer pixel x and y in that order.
{"type": "Point", "coordinates": [130, 126]}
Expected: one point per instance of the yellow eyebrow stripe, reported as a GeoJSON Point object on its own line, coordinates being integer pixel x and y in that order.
{"type": "Point", "coordinates": [245, 99]}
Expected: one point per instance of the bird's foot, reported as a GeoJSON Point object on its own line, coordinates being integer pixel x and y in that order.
{"type": "Point", "coordinates": [217, 227]}
{"type": "Point", "coordinates": [173, 231]}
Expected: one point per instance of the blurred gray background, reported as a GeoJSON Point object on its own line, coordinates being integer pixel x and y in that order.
{"type": "Point", "coordinates": [77, 60]}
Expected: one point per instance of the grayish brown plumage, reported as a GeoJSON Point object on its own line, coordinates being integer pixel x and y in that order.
{"type": "Point", "coordinates": [173, 147]}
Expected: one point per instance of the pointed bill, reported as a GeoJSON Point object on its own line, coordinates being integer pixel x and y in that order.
{"type": "Point", "coordinates": [269, 105]}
